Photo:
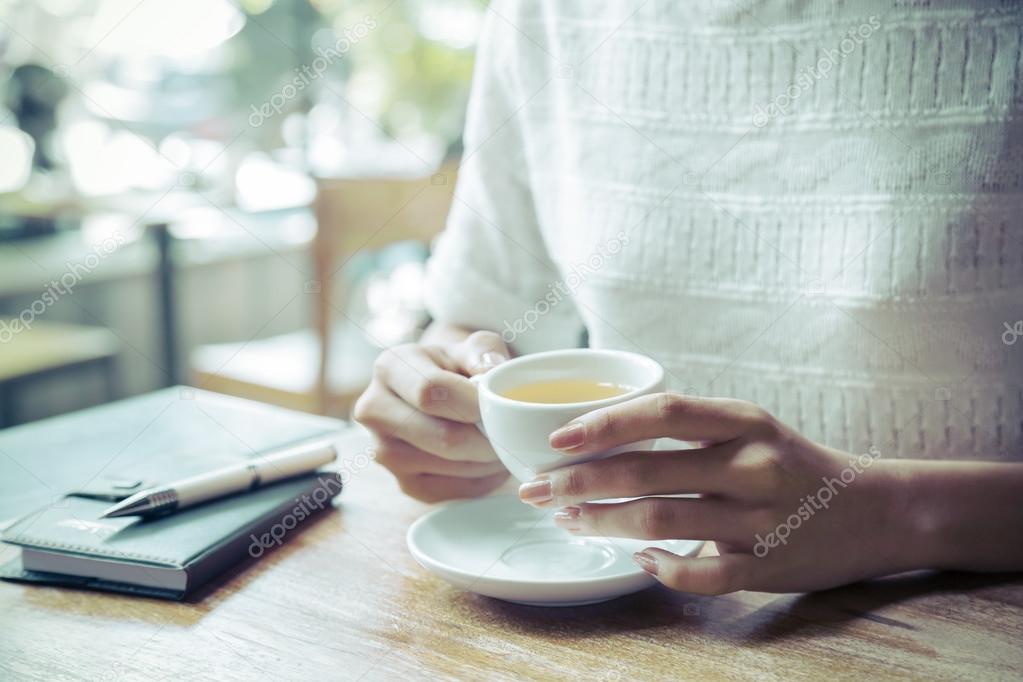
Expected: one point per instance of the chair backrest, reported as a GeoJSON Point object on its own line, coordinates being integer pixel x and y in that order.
{"type": "Point", "coordinates": [362, 214]}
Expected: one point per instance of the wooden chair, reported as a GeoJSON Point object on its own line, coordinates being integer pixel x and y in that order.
{"type": "Point", "coordinates": [324, 368]}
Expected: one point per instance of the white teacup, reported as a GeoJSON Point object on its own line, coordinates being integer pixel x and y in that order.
{"type": "Point", "coordinates": [519, 431]}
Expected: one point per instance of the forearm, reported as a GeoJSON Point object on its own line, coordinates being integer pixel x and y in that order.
{"type": "Point", "coordinates": [964, 515]}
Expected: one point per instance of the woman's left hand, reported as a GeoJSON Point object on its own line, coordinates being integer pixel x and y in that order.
{"type": "Point", "coordinates": [786, 514]}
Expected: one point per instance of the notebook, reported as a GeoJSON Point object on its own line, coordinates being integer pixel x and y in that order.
{"type": "Point", "coordinates": [168, 556]}
{"type": "Point", "coordinates": [65, 542]}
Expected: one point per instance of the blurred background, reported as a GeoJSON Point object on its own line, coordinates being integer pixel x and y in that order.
{"type": "Point", "coordinates": [233, 194]}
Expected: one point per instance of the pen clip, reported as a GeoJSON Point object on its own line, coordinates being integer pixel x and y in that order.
{"type": "Point", "coordinates": [111, 489]}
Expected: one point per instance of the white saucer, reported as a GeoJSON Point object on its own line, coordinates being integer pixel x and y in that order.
{"type": "Point", "coordinates": [499, 547]}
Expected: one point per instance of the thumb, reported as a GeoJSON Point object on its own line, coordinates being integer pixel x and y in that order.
{"type": "Point", "coordinates": [480, 352]}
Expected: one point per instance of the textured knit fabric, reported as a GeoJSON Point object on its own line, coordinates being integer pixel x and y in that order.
{"type": "Point", "coordinates": [815, 206]}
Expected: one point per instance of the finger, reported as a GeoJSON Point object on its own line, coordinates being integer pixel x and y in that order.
{"type": "Point", "coordinates": [433, 488]}
{"type": "Point", "coordinates": [659, 415]}
{"type": "Point", "coordinates": [389, 416]}
{"type": "Point", "coordinates": [634, 474]}
{"type": "Point", "coordinates": [703, 575]}
{"type": "Point", "coordinates": [656, 518]}
{"type": "Point", "coordinates": [480, 352]}
{"type": "Point", "coordinates": [413, 373]}
{"type": "Point", "coordinates": [402, 458]}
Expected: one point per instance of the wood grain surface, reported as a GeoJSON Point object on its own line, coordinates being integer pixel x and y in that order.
{"type": "Point", "coordinates": [343, 599]}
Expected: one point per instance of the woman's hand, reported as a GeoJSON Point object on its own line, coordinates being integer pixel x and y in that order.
{"type": "Point", "coordinates": [422, 411]}
{"type": "Point", "coordinates": [786, 514]}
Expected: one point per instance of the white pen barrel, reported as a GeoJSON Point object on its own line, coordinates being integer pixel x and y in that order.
{"type": "Point", "coordinates": [301, 459]}
{"type": "Point", "coordinates": [213, 484]}
{"type": "Point", "coordinates": [294, 461]}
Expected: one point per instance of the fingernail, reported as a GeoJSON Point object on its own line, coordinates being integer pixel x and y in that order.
{"type": "Point", "coordinates": [536, 492]}
{"type": "Point", "coordinates": [568, 518]}
{"type": "Point", "coordinates": [648, 562]}
{"type": "Point", "coordinates": [570, 436]}
{"type": "Point", "coordinates": [492, 359]}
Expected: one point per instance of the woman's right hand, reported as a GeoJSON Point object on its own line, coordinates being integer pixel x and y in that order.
{"type": "Point", "coordinates": [422, 410]}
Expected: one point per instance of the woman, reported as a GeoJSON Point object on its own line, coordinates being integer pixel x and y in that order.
{"type": "Point", "coordinates": [809, 214]}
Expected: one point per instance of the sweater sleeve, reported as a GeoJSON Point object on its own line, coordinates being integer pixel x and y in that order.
{"type": "Point", "coordinates": [490, 268]}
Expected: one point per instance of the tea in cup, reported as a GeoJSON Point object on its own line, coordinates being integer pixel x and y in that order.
{"type": "Point", "coordinates": [523, 400]}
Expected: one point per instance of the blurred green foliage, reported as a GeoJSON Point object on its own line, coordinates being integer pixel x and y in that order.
{"type": "Point", "coordinates": [423, 79]}
{"type": "Point", "coordinates": [410, 71]}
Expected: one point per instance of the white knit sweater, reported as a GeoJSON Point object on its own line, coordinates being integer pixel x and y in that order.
{"type": "Point", "coordinates": [815, 206]}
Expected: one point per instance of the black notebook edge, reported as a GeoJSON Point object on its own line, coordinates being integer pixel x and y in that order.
{"type": "Point", "coordinates": [230, 551]}
{"type": "Point", "coordinates": [201, 569]}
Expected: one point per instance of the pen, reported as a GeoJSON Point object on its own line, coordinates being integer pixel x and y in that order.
{"type": "Point", "coordinates": [249, 475]}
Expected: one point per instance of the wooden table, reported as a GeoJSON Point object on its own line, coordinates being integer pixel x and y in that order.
{"type": "Point", "coordinates": [343, 599]}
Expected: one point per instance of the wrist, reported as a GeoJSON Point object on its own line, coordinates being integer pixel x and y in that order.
{"type": "Point", "coordinates": [913, 527]}
{"type": "Point", "coordinates": [943, 515]}
{"type": "Point", "coordinates": [948, 510]}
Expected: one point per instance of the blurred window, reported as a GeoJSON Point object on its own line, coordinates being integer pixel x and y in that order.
{"type": "Point", "coordinates": [239, 99]}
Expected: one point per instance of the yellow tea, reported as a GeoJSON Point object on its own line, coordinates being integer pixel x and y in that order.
{"type": "Point", "coordinates": [565, 391]}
